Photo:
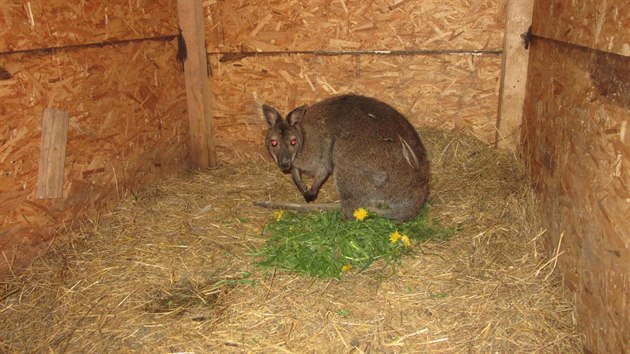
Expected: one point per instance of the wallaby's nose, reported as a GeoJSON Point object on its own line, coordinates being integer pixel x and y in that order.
{"type": "Point", "coordinates": [284, 164]}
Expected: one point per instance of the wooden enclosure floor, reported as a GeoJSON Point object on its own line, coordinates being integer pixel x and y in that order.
{"type": "Point", "coordinates": [169, 270]}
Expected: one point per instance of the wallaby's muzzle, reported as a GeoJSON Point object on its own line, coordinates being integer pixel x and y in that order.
{"type": "Point", "coordinates": [285, 163]}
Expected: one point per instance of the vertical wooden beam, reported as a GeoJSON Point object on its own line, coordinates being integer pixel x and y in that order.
{"type": "Point", "coordinates": [52, 158]}
{"type": "Point", "coordinates": [202, 140]}
{"type": "Point", "coordinates": [513, 73]}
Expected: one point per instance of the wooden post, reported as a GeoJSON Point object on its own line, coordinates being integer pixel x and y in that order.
{"type": "Point", "coordinates": [52, 158]}
{"type": "Point", "coordinates": [202, 141]}
{"type": "Point", "coordinates": [513, 73]}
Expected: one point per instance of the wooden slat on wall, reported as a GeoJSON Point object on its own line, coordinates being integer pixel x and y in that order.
{"type": "Point", "coordinates": [53, 154]}
{"type": "Point", "coordinates": [603, 25]}
{"type": "Point", "coordinates": [577, 143]}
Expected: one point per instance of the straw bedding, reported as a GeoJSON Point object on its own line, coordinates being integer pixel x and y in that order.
{"type": "Point", "coordinates": [168, 270]}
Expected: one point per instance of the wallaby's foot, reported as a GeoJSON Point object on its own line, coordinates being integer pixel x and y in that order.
{"type": "Point", "coordinates": [309, 196]}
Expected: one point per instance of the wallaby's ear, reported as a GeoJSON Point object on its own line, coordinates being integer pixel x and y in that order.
{"type": "Point", "coordinates": [271, 115]}
{"type": "Point", "coordinates": [296, 115]}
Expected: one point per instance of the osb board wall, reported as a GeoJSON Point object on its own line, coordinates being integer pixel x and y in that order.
{"type": "Point", "coordinates": [436, 61]}
{"type": "Point", "coordinates": [303, 25]}
{"type": "Point", "coordinates": [603, 25]}
{"type": "Point", "coordinates": [54, 23]}
{"type": "Point", "coordinates": [578, 146]}
{"type": "Point", "coordinates": [442, 90]}
{"type": "Point", "coordinates": [126, 103]}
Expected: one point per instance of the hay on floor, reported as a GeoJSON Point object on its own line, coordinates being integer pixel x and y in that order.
{"type": "Point", "coordinates": [168, 271]}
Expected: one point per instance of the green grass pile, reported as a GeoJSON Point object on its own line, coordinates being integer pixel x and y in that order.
{"type": "Point", "coordinates": [325, 245]}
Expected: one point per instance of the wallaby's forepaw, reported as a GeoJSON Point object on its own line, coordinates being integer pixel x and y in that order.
{"type": "Point", "coordinates": [310, 196]}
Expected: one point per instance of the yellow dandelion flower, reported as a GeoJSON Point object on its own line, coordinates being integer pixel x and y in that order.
{"type": "Point", "coordinates": [405, 240]}
{"type": "Point", "coordinates": [394, 236]}
{"type": "Point", "coordinates": [360, 214]}
{"type": "Point", "coordinates": [346, 267]}
{"type": "Point", "coordinates": [279, 214]}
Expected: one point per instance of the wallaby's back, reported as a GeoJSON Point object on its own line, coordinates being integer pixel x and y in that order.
{"type": "Point", "coordinates": [376, 157]}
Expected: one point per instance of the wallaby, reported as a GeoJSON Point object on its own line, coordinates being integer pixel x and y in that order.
{"type": "Point", "coordinates": [374, 154]}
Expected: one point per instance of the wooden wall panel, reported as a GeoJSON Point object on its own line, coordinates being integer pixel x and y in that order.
{"type": "Point", "coordinates": [578, 146]}
{"type": "Point", "coordinates": [127, 129]}
{"type": "Point", "coordinates": [53, 23]}
{"type": "Point", "coordinates": [440, 91]}
{"type": "Point", "coordinates": [302, 25]}
{"type": "Point", "coordinates": [416, 55]}
{"type": "Point", "coordinates": [603, 25]}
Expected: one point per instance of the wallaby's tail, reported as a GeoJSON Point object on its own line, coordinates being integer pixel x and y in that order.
{"type": "Point", "coordinates": [297, 206]}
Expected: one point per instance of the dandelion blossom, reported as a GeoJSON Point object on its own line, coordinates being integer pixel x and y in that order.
{"type": "Point", "coordinates": [405, 240]}
{"type": "Point", "coordinates": [279, 214]}
{"type": "Point", "coordinates": [346, 267]}
{"type": "Point", "coordinates": [360, 214]}
{"type": "Point", "coordinates": [394, 236]}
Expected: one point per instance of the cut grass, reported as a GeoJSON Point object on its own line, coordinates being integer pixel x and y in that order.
{"type": "Point", "coordinates": [324, 245]}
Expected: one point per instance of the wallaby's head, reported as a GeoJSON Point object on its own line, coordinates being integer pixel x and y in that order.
{"type": "Point", "coordinates": [284, 137]}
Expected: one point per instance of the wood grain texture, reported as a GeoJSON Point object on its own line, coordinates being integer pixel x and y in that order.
{"type": "Point", "coordinates": [446, 91]}
{"type": "Point", "coordinates": [52, 157]}
{"type": "Point", "coordinates": [127, 129]}
{"type": "Point", "coordinates": [598, 24]}
{"type": "Point", "coordinates": [301, 25]}
{"type": "Point", "coordinates": [34, 24]}
{"type": "Point", "coordinates": [514, 65]}
{"type": "Point", "coordinates": [202, 140]}
{"type": "Point", "coordinates": [578, 146]}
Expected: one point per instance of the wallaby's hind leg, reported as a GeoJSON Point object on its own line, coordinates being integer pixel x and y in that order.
{"type": "Point", "coordinates": [350, 205]}
{"type": "Point", "coordinates": [396, 213]}
{"type": "Point", "coordinates": [346, 210]}
{"type": "Point", "coordinates": [405, 206]}
{"type": "Point", "coordinates": [346, 195]}
{"type": "Point", "coordinates": [396, 205]}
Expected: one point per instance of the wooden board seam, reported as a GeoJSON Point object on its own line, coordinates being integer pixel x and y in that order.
{"type": "Point", "coordinates": [48, 50]}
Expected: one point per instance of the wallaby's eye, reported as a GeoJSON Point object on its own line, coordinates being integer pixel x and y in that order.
{"type": "Point", "coordinates": [274, 142]}
{"type": "Point", "coordinates": [293, 141]}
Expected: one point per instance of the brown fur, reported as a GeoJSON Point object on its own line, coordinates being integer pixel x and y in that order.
{"type": "Point", "coordinates": [374, 154]}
